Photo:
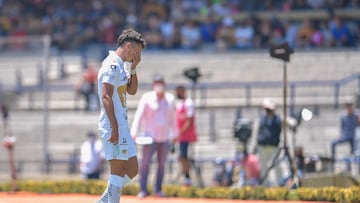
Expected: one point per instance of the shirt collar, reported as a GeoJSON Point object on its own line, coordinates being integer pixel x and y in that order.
{"type": "Point", "coordinates": [116, 57]}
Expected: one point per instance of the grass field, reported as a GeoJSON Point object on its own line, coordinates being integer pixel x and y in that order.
{"type": "Point", "coordinates": [23, 197]}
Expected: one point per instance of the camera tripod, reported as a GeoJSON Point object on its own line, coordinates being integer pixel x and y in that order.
{"type": "Point", "coordinates": [195, 168]}
{"type": "Point", "coordinates": [277, 159]}
{"type": "Point", "coordinates": [284, 147]}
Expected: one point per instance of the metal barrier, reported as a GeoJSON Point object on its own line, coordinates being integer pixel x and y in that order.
{"type": "Point", "coordinates": [205, 87]}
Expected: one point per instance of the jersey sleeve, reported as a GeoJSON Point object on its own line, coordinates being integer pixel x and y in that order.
{"type": "Point", "coordinates": [190, 109]}
{"type": "Point", "coordinates": [111, 74]}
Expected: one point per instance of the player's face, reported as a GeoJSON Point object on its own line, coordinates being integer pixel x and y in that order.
{"type": "Point", "coordinates": [134, 49]}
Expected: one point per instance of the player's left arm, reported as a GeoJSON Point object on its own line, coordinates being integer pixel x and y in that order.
{"type": "Point", "coordinates": [190, 116]}
{"type": "Point", "coordinates": [172, 119]}
{"type": "Point", "coordinates": [133, 80]}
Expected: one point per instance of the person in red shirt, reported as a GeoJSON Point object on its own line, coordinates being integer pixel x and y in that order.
{"type": "Point", "coordinates": [87, 87]}
{"type": "Point", "coordinates": [250, 170]}
{"type": "Point", "coordinates": [185, 119]}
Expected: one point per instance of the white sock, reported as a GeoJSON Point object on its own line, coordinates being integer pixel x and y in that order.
{"type": "Point", "coordinates": [126, 179]}
{"type": "Point", "coordinates": [114, 188]}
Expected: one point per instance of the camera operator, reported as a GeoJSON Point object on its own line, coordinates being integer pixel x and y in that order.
{"type": "Point", "coordinates": [268, 139]}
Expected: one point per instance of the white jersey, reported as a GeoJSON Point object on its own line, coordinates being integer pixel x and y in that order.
{"type": "Point", "coordinates": [113, 71]}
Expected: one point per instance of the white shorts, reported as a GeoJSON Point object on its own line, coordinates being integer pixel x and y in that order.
{"type": "Point", "coordinates": [125, 148]}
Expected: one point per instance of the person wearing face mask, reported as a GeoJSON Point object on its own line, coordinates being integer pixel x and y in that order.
{"type": "Point", "coordinates": [185, 119]}
{"type": "Point", "coordinates": [155, 119]}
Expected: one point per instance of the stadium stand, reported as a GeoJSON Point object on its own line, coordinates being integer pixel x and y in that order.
{"type": "Point", "coordinates": [185, 24]}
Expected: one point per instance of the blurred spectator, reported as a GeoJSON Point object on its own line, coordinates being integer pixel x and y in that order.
{"type": "Point", "coordinates": [348, 122]}
{"type": "Point", "coordinates": [8, 142]}
{"type": "Point", "coordinates": [87, 88]}
{"type": "Point", "coordinates": [224, 172]}
{"type": "Point", "coordinates": [167, 29]}
{"type": "Point", "coordinates": [278, 32]}
{"type": "Point", "coordinates": [9, 138]}
{"type": "Point", "coordinates": [154, 119]}
{"type": "Point", "coordinates": [152, 33]}
{"type": "Point", "coordinates": [153, 7]}
{"type": "Point", "coordinates": [341, 34]}
{"type": "Point", "coordinates": [192, 8]}
{"type": "Point", "coordinates": [190, 36]}
{"type": "Point", "coordinates": [291, 30]}
{"type": "Point", "coordinates": [249, 173]}
{"type": "Point", "coordinates": [225, 38]}
{"type": "Point", "coordinates": [21, 32]}
{"type": "Point", "coordinates": [244, 34]}
{"type": "Point", "coordinates": [74, 24]}
{"type": "Point", "coordinates": [277, 37]}
{"type": "Point", "coordinates": [317, 38]}
{"type": "Point", "coordinates": [353, 4]}
{"type": "Point", "coordinates": [268, 140]}
{"type": "Point", "coordinates": [305, 34]}
{"type": "Point", "coordinates": [316, 4]}
{"type": "Point", "coordinates": [92, 158]}
{"type": "Point", "coordinates": [262, 38]}
{"type": "Point", "coordinates": [243, 171]}
{"type": "Point", "coordinates": [300, 5]}
{"type": "Point", "coordinates": [326, 34]}
{"type": "Point", "coordinates": [176, 9]}
{"type": "Point", "coordinates": [132, 19]}
{"type": "Point", "coordinates": [185, 118]}
{"type": "Point", "coordinates": [208, 29]}
{"type": "Point", "coordinates": [221, 8]}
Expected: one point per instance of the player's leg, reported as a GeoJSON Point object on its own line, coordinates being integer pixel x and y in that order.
{"type": "Point", "coordinates": [132, 167]}
{"type": "Point", "coordinates": [334, 144]}
{"type": "Point", "coordinates": [147, 153]}
{"type": "Point", "coordinates": [162, 150]}
{"type": "Point", "coordinates": [123, 167]}
{"type": "Point", "coordinates": [118, 170]}
{"type": "Point", "coordinates": [183, 158]}
{"type": "Point", "coordinates": [112, 192]}
{"type": "Point", "coordinates": [132, 164]}
{"type": "Point", "coordinates": [117, 155]}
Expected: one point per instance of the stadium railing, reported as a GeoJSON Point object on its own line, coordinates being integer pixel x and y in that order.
{"type": "Point", "coordinates": [205, 87]}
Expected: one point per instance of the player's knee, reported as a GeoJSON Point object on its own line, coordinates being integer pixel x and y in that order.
{"type": "Point", "coordinates": [132, 173]}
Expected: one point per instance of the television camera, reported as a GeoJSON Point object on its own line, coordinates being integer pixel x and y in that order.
{"type": "Point", "coordinates": [243, 129]}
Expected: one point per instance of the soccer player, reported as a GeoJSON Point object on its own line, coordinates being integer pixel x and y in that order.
{"type": "Point", "coordinates": [114, 83]}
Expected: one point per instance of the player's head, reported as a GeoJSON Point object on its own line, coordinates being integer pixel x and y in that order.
{"type": "Point", "coordinates": [130, 35]}
{"type": "Point", "coordinates": [180, 92]}
{"type": "Point", "coordinates": [131, 41]}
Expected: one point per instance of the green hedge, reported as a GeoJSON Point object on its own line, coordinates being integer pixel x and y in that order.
{"type": "Point", "coordinates": [330, 194]}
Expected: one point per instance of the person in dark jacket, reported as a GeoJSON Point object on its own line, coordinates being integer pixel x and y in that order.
{"type": "Point", "coordinates": [268, 139]}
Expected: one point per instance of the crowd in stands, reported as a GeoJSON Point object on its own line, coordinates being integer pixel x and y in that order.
{"type": "Point", "coordinates": [182, 24]}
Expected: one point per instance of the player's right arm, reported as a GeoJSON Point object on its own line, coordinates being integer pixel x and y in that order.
{"type": "Point", "coordinates": [107, 92]}
{"type": "Point", "coordinates": [137, 117]}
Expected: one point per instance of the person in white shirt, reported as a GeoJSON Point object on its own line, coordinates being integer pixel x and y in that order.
{"type": "Point", "coordinates": [91, 157]}
{"type": "Point", "coordinates": [115, 81]}
{"type": "Point", "coordinates": [155, 116]}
